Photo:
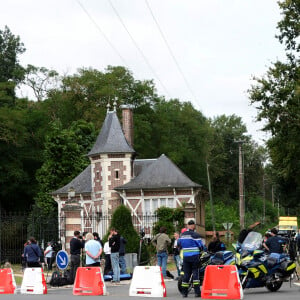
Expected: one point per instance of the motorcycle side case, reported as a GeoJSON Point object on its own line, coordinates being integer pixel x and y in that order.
{"type": "Point", "coordinates": [221, 257]}
{"type": "Point", "coordinates": [288, 267]}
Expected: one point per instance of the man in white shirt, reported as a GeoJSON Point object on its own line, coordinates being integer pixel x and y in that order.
{"type": "Point", "coordinates": [107, 252]}
{"type": "Point", "coordinates": [48, 255]}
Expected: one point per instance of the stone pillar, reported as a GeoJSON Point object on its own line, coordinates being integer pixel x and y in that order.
{"type": "Point", "coordinates": [72, 215]}
{"type": "Point", "coordinates": [200, 200]}
{"type": "Point", "coordinates": [189, 212]}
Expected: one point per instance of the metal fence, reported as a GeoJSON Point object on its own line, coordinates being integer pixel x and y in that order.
{"type": "Point", "coordinates": [101, 224]}
{"type": "Point", "coordinates": [16, 228]}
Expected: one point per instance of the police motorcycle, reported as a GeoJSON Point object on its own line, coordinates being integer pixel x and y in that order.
{"type": "Point", "coordinates": [205, 259]}
{"type": "Point", "coordinates": [258, 269]}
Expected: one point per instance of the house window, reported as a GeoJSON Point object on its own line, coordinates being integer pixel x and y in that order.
{"type": "Point", "coordinates": [117, 174]}
{"type": "Point", "coordinates": [147, 206]}
{"type": "Point", "coordinates": [151, 205]}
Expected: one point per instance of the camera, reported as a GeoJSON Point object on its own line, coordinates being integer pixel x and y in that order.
{"type": "Point", "coordinates": [56, 246]}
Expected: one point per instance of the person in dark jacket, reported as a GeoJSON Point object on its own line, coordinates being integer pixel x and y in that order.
{"type": "Point", "coordinates": [97, 238]}
{"type": "Point", "coordinates": [275, 243]}
{"type": "Point", "coordinates": [75, 248]}
{"type": "Point", "coordinates": [191, 244]}
{"type": "Point", "coordinates": [216, 245]}
{"type": "Point", "coordinates": [32, 252]}
{"type": "Point", "coordinates": [114, 244]}
{"type": "Point", "coordinates": [122, 261]}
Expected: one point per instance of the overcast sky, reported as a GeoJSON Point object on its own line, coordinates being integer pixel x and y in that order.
{"type": "Point", "coordinates": [203, 51]}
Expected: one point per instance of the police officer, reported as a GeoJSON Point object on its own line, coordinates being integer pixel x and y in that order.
{"type": "Point", "coordinates": [191, 244]}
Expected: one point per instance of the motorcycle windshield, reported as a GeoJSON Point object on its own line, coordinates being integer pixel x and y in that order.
{"type": "Point", "coordinates": [252, 242]}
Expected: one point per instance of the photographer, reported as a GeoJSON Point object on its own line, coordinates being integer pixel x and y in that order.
{"type": "Point", "coordinates": [75, 248]}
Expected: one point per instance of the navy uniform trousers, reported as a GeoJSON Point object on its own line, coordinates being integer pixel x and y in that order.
{"type": "Point", "coordinates": [191, 266]}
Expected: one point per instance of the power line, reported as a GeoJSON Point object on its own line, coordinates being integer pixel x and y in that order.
{"type": "Point", "coordinates": [138, 48]}
{"type": "Point", "coordinates": [102, 32]}
{"type": "Point", "coordinates": [171, 53]}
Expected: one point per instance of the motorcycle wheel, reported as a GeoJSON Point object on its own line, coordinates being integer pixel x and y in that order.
{"type": "Point", "coordinates": [274, 286]}
{"type": "Point", "coordinates": [179, 282]}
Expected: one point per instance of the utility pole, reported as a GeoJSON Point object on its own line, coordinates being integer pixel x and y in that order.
{"type": "Point", "coordinates": [241, 186]}
{"type": "Point", "coordinates": [211, 201]}
{"type": "Point", "coordinates": [264, 200]}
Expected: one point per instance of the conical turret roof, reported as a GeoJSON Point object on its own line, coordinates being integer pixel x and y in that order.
{"type": "Point", "coordinates": [111, 138]}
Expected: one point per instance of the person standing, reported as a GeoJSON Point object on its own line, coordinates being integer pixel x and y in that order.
{"type": "Point", "coordinates": [75, 248]}
{"type": "Point", "coordinates": [176, 253]}
{"type": "Point", "coordinates": [122, 261]}
{"type": "Point", "coordinates": [93, 251]}
{"type": "Point", "coordinates": [191, 244]}
{"type": "Point", "coordinates": [161, 242]}
{"type": "Point", "coordinates": [97, 238]}
{"type": "Point", "coordinates": [216, 245]}
{"type": "Point", "coordinates": [114, 244]}
{"type": "Point", "coordinates": [107, 252]}
{"type": "Point", "coordinates": [275, 243]}
{"type": "Point", "coordinates": [48, 255]}
{"type": "Point", "coordinates": [32, 252]}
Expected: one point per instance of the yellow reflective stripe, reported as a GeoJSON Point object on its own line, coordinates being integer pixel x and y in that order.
{"type": "Point", "coordinates": [292, 266]}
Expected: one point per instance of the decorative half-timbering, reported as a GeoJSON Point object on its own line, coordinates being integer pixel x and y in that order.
{"type": "Point", "coordinates": [115, 177]}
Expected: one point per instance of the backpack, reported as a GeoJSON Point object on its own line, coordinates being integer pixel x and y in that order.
{"type": "Point", "coordinates": [58, 280]}
{"type": "Point", "coordinates": [55, 279]}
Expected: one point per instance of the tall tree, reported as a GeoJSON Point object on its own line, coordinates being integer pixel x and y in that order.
{"type": "Point", "coordinates": [277, 99]}
{"type": "Point", "coordinates": [41, 80]}
{"type": "Point", "coordinates": [64, 158]}
{"type": "Point", "coordinates": [11, 72]}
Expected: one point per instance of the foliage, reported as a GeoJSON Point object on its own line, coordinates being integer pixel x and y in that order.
{"type": "Point", "coordinates": [230, 214]}
{"type": "Point", "coordinates": [172, 219]}
{"type": "Point", "coordinates": [64, 158]}
{"type": "Point", "coordinates": [40, 80]}
{"type": "Point", "coordinates": [223, 214]}
{"type": "Point", "coordinates": [11, 72]}
{"type": "Point", "coordinates": [277, 99]}
{"type": "Point", "coordinates": [172, 121]}
{"type": "Point", "coordinates": [21, 139]}
{"type": "Point", "coordinates": [122, 221]}
{"type": "Point", "coordinates": [224, 158]}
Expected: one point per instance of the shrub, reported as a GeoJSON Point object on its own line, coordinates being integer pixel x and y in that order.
{"type": "Point", "coordinates": [172, 219]}
{"type": "Point", "coordinates": [122, 221]}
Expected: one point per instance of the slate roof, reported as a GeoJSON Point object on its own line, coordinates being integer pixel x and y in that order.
{"type": "Point", "coordinates": [111, 138]}
{"type": "Point", "coordinates": [82, 183]}
{"type": "Point", "coordinates": [161, 173]}
{"type": "Point", "coordinates": [141, 164]}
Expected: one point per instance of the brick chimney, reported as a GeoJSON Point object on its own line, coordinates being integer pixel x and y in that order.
{"type": "Point", "coordinates": [127, 123]}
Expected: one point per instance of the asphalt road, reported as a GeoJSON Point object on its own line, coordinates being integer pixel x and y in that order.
{"type": "Point", "coordinates": [121, 292]}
